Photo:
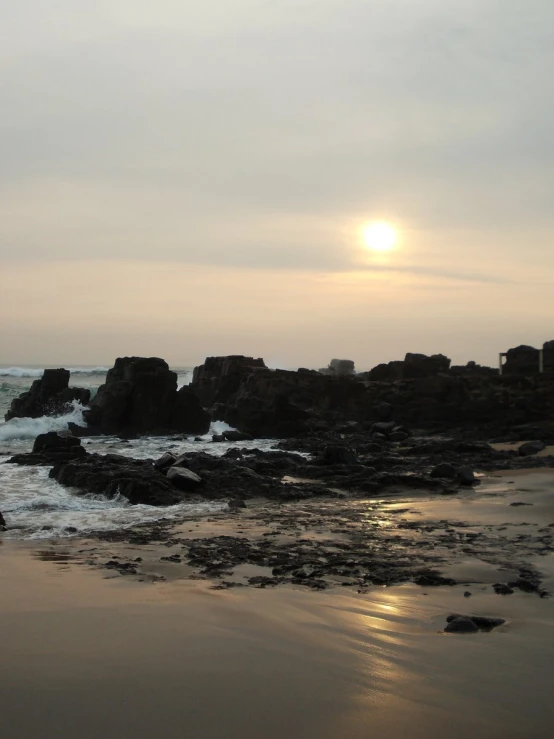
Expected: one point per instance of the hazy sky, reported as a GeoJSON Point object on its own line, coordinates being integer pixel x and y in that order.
{"type": "Point", "coordinates": [189, 177]}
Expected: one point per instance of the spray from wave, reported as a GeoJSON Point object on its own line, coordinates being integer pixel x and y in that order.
{"type": "Point", "coordinates": [29, 428]}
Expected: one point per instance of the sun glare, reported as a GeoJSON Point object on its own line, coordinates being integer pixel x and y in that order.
{"type": "Point", "coordinates": [380, 237]}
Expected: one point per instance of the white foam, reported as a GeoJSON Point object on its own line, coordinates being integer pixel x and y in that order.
{"type": "Point", "coordinates": [29, 428]}
{"type": "Point", "coordinates": [40, 508]}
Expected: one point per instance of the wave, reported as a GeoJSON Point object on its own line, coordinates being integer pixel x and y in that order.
{"type": "Point", "coordinates": [29, 428]}
{"type": "Point", "coordinates": [32, 372]}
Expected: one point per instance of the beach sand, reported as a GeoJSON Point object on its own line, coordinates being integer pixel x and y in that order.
{"type": "Point", "coordinates": [88, 656]}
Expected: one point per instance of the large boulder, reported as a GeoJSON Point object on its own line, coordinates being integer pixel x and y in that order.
{"type": "Point", "coordinates": [50, 395]}
{"type": "Point", "coordinates": [140, 396]}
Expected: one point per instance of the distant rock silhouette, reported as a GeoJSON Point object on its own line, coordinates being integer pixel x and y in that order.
{"type": "Point", "coordinates": [50, 395]}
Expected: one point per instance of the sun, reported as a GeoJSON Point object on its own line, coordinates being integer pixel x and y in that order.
{"type": "Point", "coordinates": [380, 237]}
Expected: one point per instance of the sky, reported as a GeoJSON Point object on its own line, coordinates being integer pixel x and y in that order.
{"type": "Point", "coordinates": [185, 178]}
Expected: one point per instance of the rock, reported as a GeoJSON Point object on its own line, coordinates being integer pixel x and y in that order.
{"type": "Point", "coordinates": [112, 475]}
{"type": "Point", "coordinates": [189, 416]}
{"type": "Point", "coordinates": [467, 594]}
{"type": "Point", "coordinates": [470, 624]}
{"type": "Point", "coordinates": [50, 395]}
{"type": "Point", "coordinates": [502, 589]}
{"type": "Point", "coordinates": [466, 476]}
{"type": "Point", "coordinates": [444, 470]}
{"type": "Point", "coordinates": [530, 448]}
{"type": "Point", "coordinates": [461, 625]}
{"type": "Point", "coordinates": [218, 438]}
{"type": "Point", "coordinates": [219, 378]}
{"type": "Point", "coordinates": [234, 435]}
{"type": "Point", "coordinates": [399, 436]}
{"type": "Point", "coordinates": [183, 478]}
{"type": "Point", "coordinates": [51, 448]}
{"type": "Point", "coordinates": [140, 396]}
{"type": "Point", "coordinates": [166, 461]}
{"type": "Point", "coordinates": [2, 522]}
{"type": "Point", "coordinates": [383, 427]}
{"type": "Point", "coordinates": [339, 455]}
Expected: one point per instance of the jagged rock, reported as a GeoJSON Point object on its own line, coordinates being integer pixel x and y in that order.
{"type": "Point", "coordinates": [530, 448]}
{"type": "Point", "coordinates": [50, 395]}
{"type": "Point", "coordinates": [51, 448]}
{"type": "Point", "coordinates": [183, 479]}
{"type": "Point", "coordinates": [219, 378]}
{"type": "Point", "coordinates": [140, 396]}
{"type": "Point", "coordinates": [444, 470]}
{"type": "Point", "coordinates": [112, 475]}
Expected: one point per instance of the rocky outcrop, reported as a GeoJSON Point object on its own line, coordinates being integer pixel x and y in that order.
{"type": "Point", "coordinates": [51, 448]}
{"type": "Point", "coordinates": [219, 378]}
{"type": "Point", "coordinates": [472, 369]}
{"type": "Point", "coordinates": [413, 366]}
{"type": "Point", "coordinates": [111, 475]}
{"type": "Point", "coordinates": [2, 522]}
{"type": "Point", "coordinates": [50, 395]}
{"type": "Point", "coordinates": [140, 396]}
{"type": "Point", "coordinates": [525, 360]}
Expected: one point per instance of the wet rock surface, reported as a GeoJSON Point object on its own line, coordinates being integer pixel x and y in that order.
{"type": "Point", "coordinates": [457, 624]}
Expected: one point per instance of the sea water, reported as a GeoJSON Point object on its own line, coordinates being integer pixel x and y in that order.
{"type": "Point", "coordinates": [37, 507]}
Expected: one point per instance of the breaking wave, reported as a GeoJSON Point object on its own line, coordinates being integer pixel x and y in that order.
{"type": "Point", "coordinates": [29, 428]}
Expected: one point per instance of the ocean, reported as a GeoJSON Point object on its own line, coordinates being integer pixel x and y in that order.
{"type": "Point", "coordinates": [36, 507]}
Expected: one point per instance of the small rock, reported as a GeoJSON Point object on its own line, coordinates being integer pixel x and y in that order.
{"type": "Point", "coordinates": [501, 588]}
{"type": "Point", "coordinates": [218, 438]}
{"type": "Point", "coordinates": [166, 460]}
{"type": "Point", "coordinates": [467, 594]}
{"type": "Point", "coordinates": [461, 625]}
{"type": "Point", "coordinates": [183, 479]}
{"type": "Point", "coordinates": [234, 435]}
{"type": "Point", "coordinates": [530, 448]}
{"type": "Point", "coordinates": [398, 436]}
{"type": "Point", "coordinates": [2, 522]}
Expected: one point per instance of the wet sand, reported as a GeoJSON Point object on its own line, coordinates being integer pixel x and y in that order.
{"type": "Point", "coordinates": [88, 653]}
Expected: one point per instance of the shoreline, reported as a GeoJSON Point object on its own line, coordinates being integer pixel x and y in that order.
{"type": "Point", "coordinates": [113, 657]}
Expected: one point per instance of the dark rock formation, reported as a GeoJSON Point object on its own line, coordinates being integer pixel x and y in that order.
{"type": "Point", "coordinates": [457, 624]}
{"type": "Point", "coordinates": [2, 522]}
{"type": "Point", "coordinates": [530, 448]}
{"type": "Point", "coordinates": [521, 360]}
{"type": "Point", "coordinates": [110, 475]}
{"type": "Point", "coordinates": [51, 448]}
{"type": "Point", "coordinates": [183, 478]}
{"type": "Point", "coordinates": [50, 395]}
{"type": "Point", "coordinates": [219, 378]}
{"type": "Point", "coordinates": [472, 369]}
{"type": "Point", "coordinates": [140, 396]}
{"type": "Point", "coordinates": [413, 366]}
